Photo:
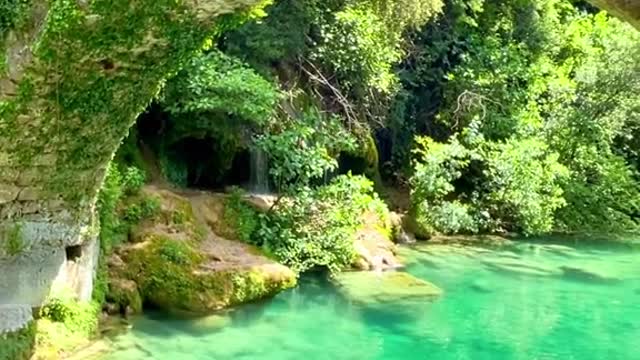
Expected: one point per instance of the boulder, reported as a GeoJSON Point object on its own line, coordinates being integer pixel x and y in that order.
{"type": "Point", "coordinates": [373, 246]}
{"type": "Point", "coordinates": [173, 276]}
{"type": "Point", "coordinates": [181, 262]}
{"type": "Point", "coordinates": [589, 276]}
{"type": "Point", "coordinates": [124, 295]}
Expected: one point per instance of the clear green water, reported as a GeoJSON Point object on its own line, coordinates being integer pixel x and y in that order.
{"type": "Point", "coordinates": [513, 303]}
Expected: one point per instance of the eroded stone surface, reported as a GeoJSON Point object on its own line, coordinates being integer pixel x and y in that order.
{"type": "Point", "coordinates": [14, 317]}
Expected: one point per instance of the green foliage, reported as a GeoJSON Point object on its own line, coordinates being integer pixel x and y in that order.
{"type": "Point", "coordinates": [515, 185]}
{"type": "Point", "coordinates": [436, 166]}
{"type": "Point", "coordinates": [110, 195]}
{"type": "Point", "coordinates": [132, 180]}
{"type": "Point", "coordinates": [281, 36]}
{"type": "Point", "coordinates": [143, 208]}
{"type": "Point", "coordinates": [219, 99]}
{"type": "Point", "coordinates": [216, 85]}
{"type": "Point", "coordinates": [359, 42]}
{"type": "Point", "coordinates": [78, 317]}
{"type": "Point", "coordinates": [12, 14]}
{"type": "Point", "coordinates": [316, 228]}
{"type": "Point", "coordinates": [240, 216]}
{"type": "Point", "coordinates": [119, 184]}
{"type": "Point", "coordinates": [521, 188]}
{"type": "Point", "coordinates": [540, 92]}
{"type": "Point", "coordinates": [447, 217]}
{"type": "Point", "coordinates": [358, 47]}
{"type": "Point", "coordinates": [18, 345]}
{"type": "Point", "coordinates": [603, 198]}
{"type": "Point", "coordinates": [303, 148]}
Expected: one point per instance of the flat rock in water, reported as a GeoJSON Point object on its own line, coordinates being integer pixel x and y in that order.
{"type": "Point", "coordinates": [374, 287]}
{"type": "Point", "coordinates": [211, 322]}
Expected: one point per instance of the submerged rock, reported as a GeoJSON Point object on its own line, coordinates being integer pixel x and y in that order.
{"type": "Point", "coordinates": [210, 322]}
{"type": "Point", "coordinates": [481, 287]}
{"type": "Point", "coordinates": [377, 287]}
{"type": "Point", "coordinates": [519, 267]}
{"type": "Point", "coordinates": [590, 276]}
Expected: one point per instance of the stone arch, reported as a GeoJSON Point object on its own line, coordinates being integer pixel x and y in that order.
{"type": "Point", "coordinates": [73, 77]}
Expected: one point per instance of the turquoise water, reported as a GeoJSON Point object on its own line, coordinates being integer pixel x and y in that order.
{"type": "Point", "coordinates": [527, 301]}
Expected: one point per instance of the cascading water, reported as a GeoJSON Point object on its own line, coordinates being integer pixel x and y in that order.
{"type": "Point", "coordinates": [259, 172]}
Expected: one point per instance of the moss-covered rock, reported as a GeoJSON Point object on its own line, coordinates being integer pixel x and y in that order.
{"type": "Point", "coordinates": [173, 276]}
{"type": "Point", "coordinates": [125, 296]}
{"type": "Point", "coordinates": [179, 261]}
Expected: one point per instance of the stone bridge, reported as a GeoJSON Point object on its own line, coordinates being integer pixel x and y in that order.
{"type": "Point", "coordinates": [629, 10]}
{"type": "Point", "coordinates": [74, 74]}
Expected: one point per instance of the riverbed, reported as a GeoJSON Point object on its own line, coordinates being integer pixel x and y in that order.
{"type": "Point", "coordinates": [524, 300]}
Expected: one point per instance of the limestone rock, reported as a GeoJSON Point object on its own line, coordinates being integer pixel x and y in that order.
{"type": "Point", "coordinates": [400, 234]}
{"type": "Point", "coordinates": [374, 249]}
{"type": "Point", "coordinates": [8, 193]}
{"type": "Point", "coordinates": [181, 263]}
{"type": "Point", "coordinates": [392, 286]}
{"type": "Point", "coordinates": [124, 295]}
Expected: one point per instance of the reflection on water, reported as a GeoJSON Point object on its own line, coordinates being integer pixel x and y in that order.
{"type": "Point", "coordinates": [529, 301]}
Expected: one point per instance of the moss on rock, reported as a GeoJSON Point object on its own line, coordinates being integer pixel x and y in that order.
{"type": "Point", "coordinates": [172, 275]}
{"type": "Point", "coordinates": [125, 296]}
{"type": "Point", "coordinates": [391, 286]}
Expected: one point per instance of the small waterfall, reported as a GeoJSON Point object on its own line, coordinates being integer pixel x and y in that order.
{"type": "Point", "coordinates": [259, 172]}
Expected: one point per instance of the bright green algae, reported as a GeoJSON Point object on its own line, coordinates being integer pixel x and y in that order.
{"type": "Point", "coordinates": [526, 301]}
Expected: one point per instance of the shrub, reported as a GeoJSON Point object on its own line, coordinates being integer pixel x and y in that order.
{"type": "Point", "coordinates": [217, 84]}
{"type": "Point", "coordinates": [240, 216]}
{"type": "Point", "coordinates": [133, 179]}
{"type": "Point", "coordinates": [513, 185]}
{"type": "Point", "coordinates": [304, 148]}
{"type": "Point", "coordinates": [144, 208]}
{"type": "Point", "coordinates": [316, 228]}
{"type": "Point", "coordinates": [522, 187]}
{"type": "Point", "coordinates": [77, 316]}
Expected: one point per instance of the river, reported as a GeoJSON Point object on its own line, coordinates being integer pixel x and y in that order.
{"type": "Point", "coordinates": [521, 301]}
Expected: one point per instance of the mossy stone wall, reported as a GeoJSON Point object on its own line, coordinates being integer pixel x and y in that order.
{"type": "Point", "coordinates": [74, 76]}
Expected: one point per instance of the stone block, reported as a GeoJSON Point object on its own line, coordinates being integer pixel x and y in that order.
{"type": "Point", "coordinates": [45, 160]}
{"type": "Point", "coordinates": [29, 194]}
{"type": "Point", "coordinates": [8, 193]}
{"type": "Point", "coordinates": [4, 159]}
